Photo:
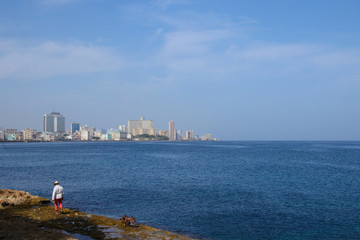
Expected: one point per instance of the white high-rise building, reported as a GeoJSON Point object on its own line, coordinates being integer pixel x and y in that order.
{"type": "Point", "coordinates": [172, 133]}
{"type": "Point", "coordinates": [54, 122]}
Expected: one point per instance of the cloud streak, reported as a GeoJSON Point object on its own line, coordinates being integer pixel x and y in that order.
{"type": "Point", "coordinates": [51, 59]}
{"type": "Point", "coordinates": [57, 2]}
{"type": "Point", "coordinates": [218, 53]}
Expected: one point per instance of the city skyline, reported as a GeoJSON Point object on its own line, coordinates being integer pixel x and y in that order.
{"type": "Point", "coordinates": [52, 117]}
{"type": "Point", "coordinates": [138, 130]}
{"type": "Point", "coordinates": [242, 70]}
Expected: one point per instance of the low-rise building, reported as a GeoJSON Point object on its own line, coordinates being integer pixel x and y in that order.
{"type": "Point", "coordinates": [189, 135]}
{"type": "Point", "coordinates": [2, 135]}
{"type": "Point", "coordinates": [8, 131]}
{"type": "Point", "coordinates": [76, 136]}
{"type": "Point", "coordinates": [106, 137]}
{"type": "Point", "coordinates": [11, 137]}
{"type": "Point", "coordinates": [50, 137]}
{"type": "Point", "coordinates": [29, 134]}
{"type": "Point", "coordinates": [97, 134]}
{"type": "Point", "coordinates": [85, 135]}
{"type": "Point", "coordinates": [163, 133]}
{"type": "Point", "coordinates": [206, 137]}
{"type": "Point", "coordinates": [118, 135]}
{"type": "Point", "coordinates": [178, 135]}
{"type": "Point", "coordinates": [19, 137]}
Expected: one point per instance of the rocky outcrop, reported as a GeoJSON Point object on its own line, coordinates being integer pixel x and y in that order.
{"type": "Point", "coordinates": [24, 216]}
{"type": "Point", "coordinates": [16, 198]}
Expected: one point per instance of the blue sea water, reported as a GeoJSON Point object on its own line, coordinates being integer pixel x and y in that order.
{"type": "Point", "coordinates": [209, 190]}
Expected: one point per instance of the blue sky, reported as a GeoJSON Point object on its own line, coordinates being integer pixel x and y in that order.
{"type": "Point", "coordinates": [241, 70]}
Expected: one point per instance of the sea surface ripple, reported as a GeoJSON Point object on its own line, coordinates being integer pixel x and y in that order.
{"type": "Point", "coordinates": [209, 190]}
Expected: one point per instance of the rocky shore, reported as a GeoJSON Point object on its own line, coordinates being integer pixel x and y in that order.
{"type": "Point", "coordinates": [24, 216]}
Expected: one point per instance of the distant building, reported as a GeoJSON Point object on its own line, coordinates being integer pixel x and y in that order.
{"type": "Point", "coordinates": [19, 136]}
{"type": "Point", "coordinates": [106, 137]}
{"type": "Point", "coordinates": [69, 137]}
{"type": "Point", "coordinates": [142, 126]}
{"type": "Point", "coordinates": [10, 131]}
{"type": "Point", "coordinates": [29, 134]}
{"type": "Point", "coordinates": [11, 137]}
{"type": "Point", "coordinates": [172, 133]}
{"type": "Point", "coordinates": [97, 134]}
{"type": "Point", "coordinates": [10, 134]}
{"type": "Point", "coordinates": [118, 135]}
{"type": "Point", "coordinates": [189, 135]}
{"type": "Point", "coordinates": [76, 136]}
{"type": "Point", "coordinates": [178, 135]}
{"type": "Point", "coordinates": [207, 137]}
{"type": "Point", "coordinates": [123, 128]}
{"type": "Point", "coordinates": [163, 133]}
{"type": "Point", "coordinates": [92, 131]}
{"type": "Point", "coordinates": [52, 137]}
{"type": "Point", "coordinates": [85, 135]}
{"type": "Point", "coordinates": [75, 127]}
{"type": "Point", "coordinates": [54, 122]}
{"type": "Point", "coordinates": [141, 131]}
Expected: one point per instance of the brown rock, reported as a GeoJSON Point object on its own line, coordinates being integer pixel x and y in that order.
{"type": "Point", "coordinates": [15, 198]}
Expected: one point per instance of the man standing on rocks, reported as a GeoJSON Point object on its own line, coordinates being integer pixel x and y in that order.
{"type": "Point", "coordinates": [57, 196]}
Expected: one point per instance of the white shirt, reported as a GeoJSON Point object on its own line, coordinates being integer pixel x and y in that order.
{"type": "Point", "coordinates": [58, 192]}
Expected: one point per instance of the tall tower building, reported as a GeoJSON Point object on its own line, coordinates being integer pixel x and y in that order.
{"type": "Point", "coordinates": [75, 127]}
{"type": "Point", "coordinates": [54, 122]}
{"type": "Point", "coordinates": [172, 133]}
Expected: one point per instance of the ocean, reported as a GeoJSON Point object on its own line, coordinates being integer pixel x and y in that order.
{"type": "Point", "coordinates": [208, 190]}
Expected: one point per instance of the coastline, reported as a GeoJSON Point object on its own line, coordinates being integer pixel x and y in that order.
{"type": "Point", "coordinates": [24, 216]}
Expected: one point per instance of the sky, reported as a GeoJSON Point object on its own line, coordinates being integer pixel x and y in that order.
{"type": "Point", "coordinates": [240, 70]}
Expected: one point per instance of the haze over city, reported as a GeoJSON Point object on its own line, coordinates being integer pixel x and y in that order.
{"type": "Point", "coordinates": [241, 70]}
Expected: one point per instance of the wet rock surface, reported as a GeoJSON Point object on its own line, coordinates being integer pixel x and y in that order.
{"type": "Point", "coordinates": [24, 216]}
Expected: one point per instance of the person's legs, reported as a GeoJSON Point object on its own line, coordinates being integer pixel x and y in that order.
{"type": "Point", "coordinates": [60, 204]}
{"type": "Point", "coordinates": [56, 202]}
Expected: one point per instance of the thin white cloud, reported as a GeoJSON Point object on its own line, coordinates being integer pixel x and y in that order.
{"type": "Point", "coordinates": [163, 4]}
{"type": "Point", "coordinates": [220, 54]}
{"type": "Point", "coordinates": [296, 60]}
{"type": "Point", "coordinates": [192, 42]}
{"type": "Point", "coordinates": [203, 46]}
{"type": "Point", "coordinates": [48, 2]}
{"type": "Point", "coordinates": [51, 59]}
{"type": "Point", "coordinates": [189, 20]}
{"type": "Point", "coordinates": [334, 59]}
{"type": "Point", "coordinates": [272, 52]}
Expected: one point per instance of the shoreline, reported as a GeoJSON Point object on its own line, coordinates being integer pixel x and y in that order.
{"type": "Point", "coordinates": [24, 216]}
{"type": "Point", "coordinates": [143, 140]}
